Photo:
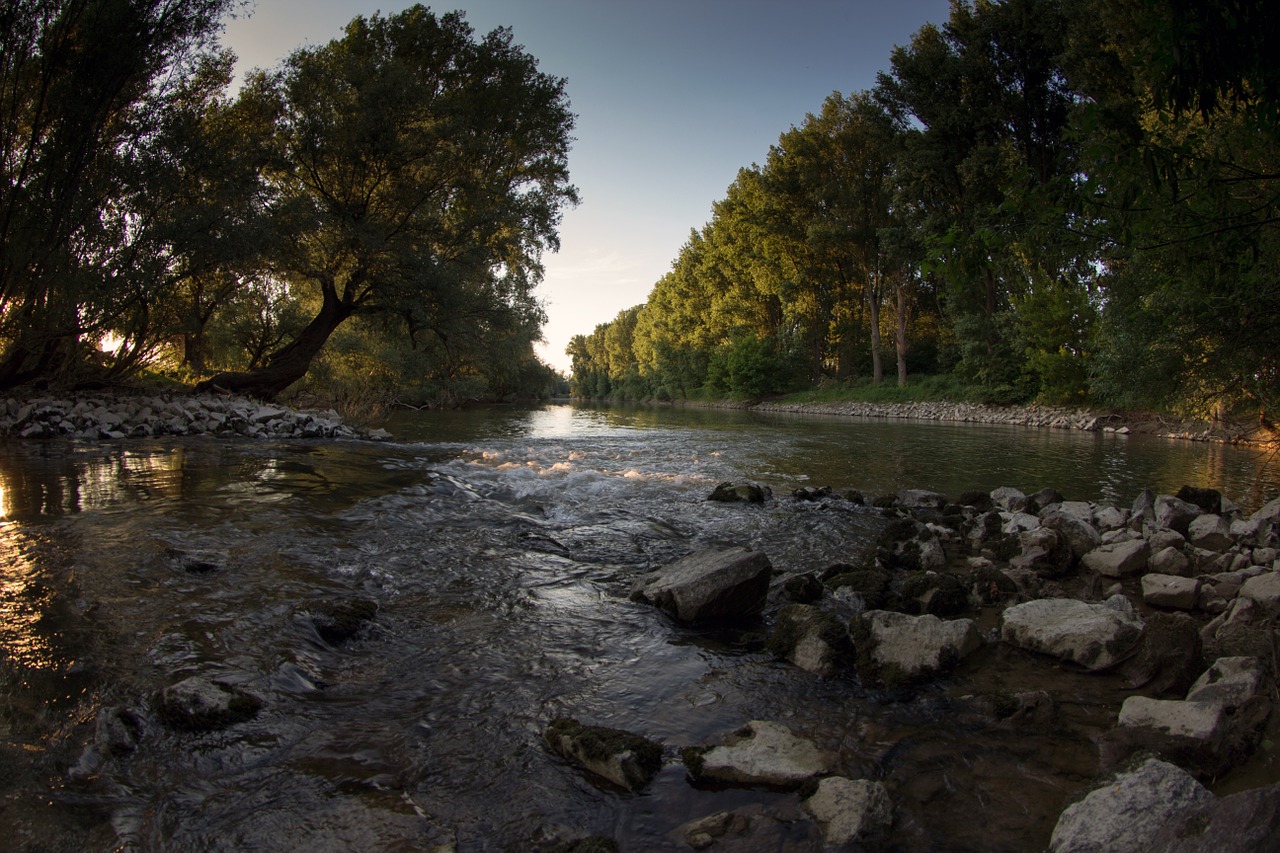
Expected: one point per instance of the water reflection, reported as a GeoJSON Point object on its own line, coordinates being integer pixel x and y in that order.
{"type": "Point", "coordinates": [873, 455]}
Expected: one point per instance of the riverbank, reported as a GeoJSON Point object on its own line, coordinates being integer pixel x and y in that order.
{"type": "Point", "coordinates": [95, 417]}
{"type": "Point", "coordinates": [1035, 416]}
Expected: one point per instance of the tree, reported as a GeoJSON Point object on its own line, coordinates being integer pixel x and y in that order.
{"type": "Point", "coordinates": [86, 88]}
{"type": "Point", "coordinates": [421, 169]}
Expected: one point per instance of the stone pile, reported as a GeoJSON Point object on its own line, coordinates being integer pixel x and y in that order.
{"type": "Point", "coordinates": [1179, 594]}
{"type": "Point", "coordinates": [107, 417]}
{"type": "Point", "coordinates": [965, 413]}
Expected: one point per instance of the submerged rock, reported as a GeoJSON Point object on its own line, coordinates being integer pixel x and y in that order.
{"type": "Point", "coordinates": [759, 753]}
{"type": "Point", "coordinates": [709, 586]}
{"type": "Point", "coordinates": [199, 704]}
{"type": "Point", "coordinates": [781, 826]}
{"type": "Point", "coordinates": [338, 622]}
{"type": "Point", "coordinates": [753, 493]}
{"type": "Point", "coordinates": [622, 758]}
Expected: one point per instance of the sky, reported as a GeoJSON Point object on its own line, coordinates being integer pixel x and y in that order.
{"type": "Point", "coordinates": [672, 98]}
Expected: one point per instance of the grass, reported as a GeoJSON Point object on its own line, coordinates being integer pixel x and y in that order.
{"type": "Point", "coordinates": [940, 388]}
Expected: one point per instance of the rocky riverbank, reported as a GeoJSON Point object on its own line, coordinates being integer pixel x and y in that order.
{"type": "Point", "coordinates": [1048, 417]}
{"type": "Point", "coordinates": [1178, 596]}
{"type": "Point", "coordinates": [115, 416]}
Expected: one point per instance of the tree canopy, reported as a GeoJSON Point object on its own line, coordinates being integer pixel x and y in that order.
{"type": "Point", "coordinates": [402, 182]}
{"type": "Point", "coordinates": [1062, 200]}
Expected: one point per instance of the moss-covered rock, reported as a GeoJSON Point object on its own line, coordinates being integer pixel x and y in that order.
{"type": "Point", "coordinates": [812, 639]}
{"type": "Point", "coordinates": [936, 593]}
{"type": "Point", "coordinates": [620, 757]}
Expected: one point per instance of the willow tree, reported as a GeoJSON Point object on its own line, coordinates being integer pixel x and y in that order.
{"type": "Point", "coordinates": [422, 169]}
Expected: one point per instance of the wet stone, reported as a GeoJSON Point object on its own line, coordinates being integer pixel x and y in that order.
{"type": "Point", "coordinates": [709, 586]}
{"type": "Point", "coordinates": [199, 704]}
{"type": "Point", "coordinates": [627, 760]}
{"type": "Point", "coordinates": [759, 753]}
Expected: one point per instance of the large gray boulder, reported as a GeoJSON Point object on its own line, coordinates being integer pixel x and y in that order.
{"type": "Point", "coordinates": [1118, 559]}
{"type": "Point", "coordinates": [759, 753]}
{"type": "Point", "coordinates": [1096, 636]}
{"type": "Point", "coordinates": [1171, 591]}
{"type": "Point", "coordinates": [1263, 590]}
{"type": "Point", "coordinates": [1044, 551]}
{"type": "Point", "coordinates": [709, 586]}
{"type": "Point", "coordinates": [1079, 534]}
{"type": "Point", "coordinates": [1209, 732]}
{"type": "Point", "coordinates": [1127, 813]}
{"type": "Point", "coordinates": [902, 647]}
{"type": "Point", "coordinates": [851, 811]}
{"type": "Point", "coordinates": [1210, 532]}
{"type": "Point", "coordinates": [1175, 513]}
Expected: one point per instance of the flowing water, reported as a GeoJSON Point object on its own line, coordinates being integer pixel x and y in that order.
{"type": "Point", "coordinates": [500, 547]}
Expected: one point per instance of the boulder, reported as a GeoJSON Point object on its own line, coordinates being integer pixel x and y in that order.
{"type": "Point", "coordinates": [1096, 636]}
{"type": "Point", "coordinates": [1127, 813]}
{"type": "Point", "coordinates": [803, 589]}
{"type": "Point", "coordinates": [1110, 518]}
{"type": "Point", "coordinates": [200, 704]}
{"type": "Point", "coordinates": [1210, 532]}
{"type": "Point", "coordinates": [1243, 629]}
{"type": "Point", "coordinates": [1216, 727]}
{"type": "Point", "coordinates": [1209, 500]}
{"type": "Point", "coordinates": [908, 544]}
{"type": "Point", "coordinates": [752, 493]}
{"type": "Point", "coordinates": [709, 586]}
{"type": "Point", "coordinates": [812, 639]}
{"type": "Point", "coordinates": [851, 811]}
{"type": "Point", "coordinates": [894, 646]}
{"type": "Point", "coordinates": [920, 498]}
{"type": "Point", "coordinates": [1242, 688]}
{"type": "Point", "coordinates": [1170, 591]}
{"type": "Point", "coordinates": [1247, 822]}
{"type": "Point", "coordinates": [1007, 497]}
{"type": "Point", "coordinates": [1264, 590]}
{"type": "Point", "coordinates": [1169, 657]}
{"type": "Point", "coordinates": [1175, 514]}
{"type": "Point", "coordinates": [938, 593]}
{"type": "Point", "coordinates": [1045, 552]}
{"type": "Point", "coordinates": [759, 753]}
{"type": "Point", "coordinates": [1117, 560]}
{"type": "Point", "coordinates": [626, 760]}
{"type": "Point", "coordinates": [1080, 536]}
{"type": "Point", "coordinates": [1170, 561]}
{"type": "Point", "coordinates": [1268, 513]}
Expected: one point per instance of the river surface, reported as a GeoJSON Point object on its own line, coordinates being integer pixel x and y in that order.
{"type": "Point", "coordinates": [500, 546]}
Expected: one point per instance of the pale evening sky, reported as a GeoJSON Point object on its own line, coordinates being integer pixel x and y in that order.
{"type": "Point", "coordinates": [672, 98]}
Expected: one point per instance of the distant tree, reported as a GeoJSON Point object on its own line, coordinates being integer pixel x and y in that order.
{"type": "Point", "coordinates": [423, 171]}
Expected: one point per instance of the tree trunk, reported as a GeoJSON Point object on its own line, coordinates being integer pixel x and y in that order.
{"type": "Point", "coordinates": [900, 336]}
{"type": "Point", "coordinates": [877, 363]}
{"type": "Point", "coordinates": [289, 364]}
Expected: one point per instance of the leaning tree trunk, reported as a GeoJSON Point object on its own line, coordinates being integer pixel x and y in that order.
{"type": "Point", "coordinates": [287, 365]}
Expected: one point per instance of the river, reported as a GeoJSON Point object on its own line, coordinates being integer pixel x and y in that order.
{"type": "Point", "coordinates": [499, 546]}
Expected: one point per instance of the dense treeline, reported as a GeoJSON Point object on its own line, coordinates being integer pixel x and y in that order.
{"type": "Point", "coordinates": [371, 214]}
{"type": "Point", "coordinates": [1070, 200]}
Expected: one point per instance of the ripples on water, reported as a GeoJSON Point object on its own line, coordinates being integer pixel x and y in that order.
{"type": "Point", "coordinates": [500, 547]}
